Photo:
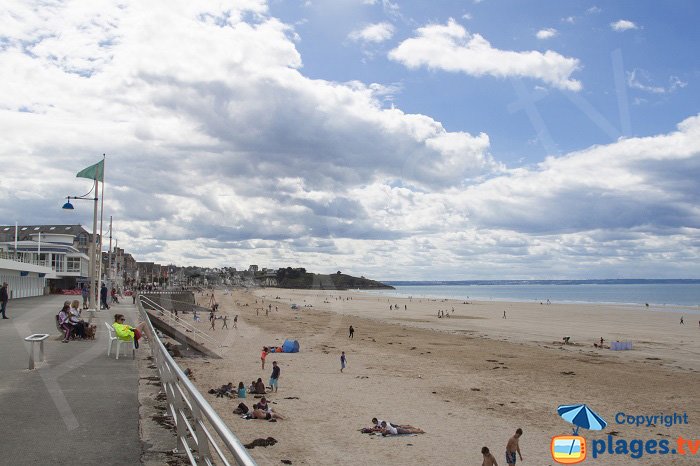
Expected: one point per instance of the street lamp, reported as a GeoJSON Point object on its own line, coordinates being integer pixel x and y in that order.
{"type": "Point", "coordinates": [94, 281]}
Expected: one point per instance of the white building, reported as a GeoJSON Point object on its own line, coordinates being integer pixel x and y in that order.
{"type": "Point", "coordinates": [24, 279]}
{"type": "Point", "coordinates": [63, 265]}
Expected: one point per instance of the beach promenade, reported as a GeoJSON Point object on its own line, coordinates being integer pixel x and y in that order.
{"type": "Point", "coordinates": [79, 406]}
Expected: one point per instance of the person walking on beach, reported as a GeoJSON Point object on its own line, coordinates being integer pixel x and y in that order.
{"type": "Point", "coordinates": [235, 321]}
{"type": "Point", "coordinates": [263, 355]}
{"type": "Point", "coordinates": [489, 460]}
{"type": "Point", "coordinates": [212, 320]}
{"type": "Point", "coordinates": [4, 298]}
{"type": "Point", "coordinates": [343, 361]}
{"type": "Point", "coordinates": [682, 323]}
{"type": "Point", "coordinates": [504, 316]}
{"type": "Point", "coordinates": [513, 447]}
{"type": "Point", "coordinates": [351, 332]}
{"type": "Point", "coordinates": [274, 377]}
{"type": "Point", "coordinates": [225, 322]}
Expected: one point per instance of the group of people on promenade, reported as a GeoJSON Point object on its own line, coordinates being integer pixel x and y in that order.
{"type": "Point", "coordinates": [70, 321]}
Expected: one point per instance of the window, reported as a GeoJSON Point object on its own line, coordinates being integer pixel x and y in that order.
{"type": "Point", "coordinates": [57, 262]}
{"type": "Point", "coordinates": [73, 264]}
{"type": "Point", "coordinates": [82, 239]}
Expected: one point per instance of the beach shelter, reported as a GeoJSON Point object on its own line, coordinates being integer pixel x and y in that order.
{"type": "Point", "coordinates": [290, 346]}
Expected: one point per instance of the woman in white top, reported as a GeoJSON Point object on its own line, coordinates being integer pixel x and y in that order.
{"type": "Point", "coordinates": [75, 320]}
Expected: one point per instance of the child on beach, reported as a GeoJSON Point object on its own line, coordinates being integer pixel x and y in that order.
{"type": "Point", "coordinates": [342, 361]}
{"type": "Point", "coordinates": [263, 355]}
{"type": "Point", "coordinates": [489, 460]}
{"type": "Point", "coordinates": [513, 447]}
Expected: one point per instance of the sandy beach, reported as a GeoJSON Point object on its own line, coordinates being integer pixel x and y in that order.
{"type": "Point", "coordinates": [468, 380]}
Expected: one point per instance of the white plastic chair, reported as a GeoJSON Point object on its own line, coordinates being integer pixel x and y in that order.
{"type": "Point", "coordinates": [112, 337]}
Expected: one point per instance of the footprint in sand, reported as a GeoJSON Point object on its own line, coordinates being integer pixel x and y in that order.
{"type": "Point", "coordinates": [568, 373]}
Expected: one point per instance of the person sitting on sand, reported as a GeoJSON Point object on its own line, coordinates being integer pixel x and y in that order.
{"type": "Point", "coordinates": [267, 415]}
{"type": "Point", "coordinates": [251, 387]}
{"type": "Point", "coordinates": [388, 429]}
{"type": "Point", "coordinates": [262, 404]}
{"type": "Point", "coordinates": [259, 387]}
{"type": "Point", "coordinates": [241, 390]}
{"type": "Point", "coordinates": [489, 460]}
{"type": "Point", "coordinates": [376, 424]}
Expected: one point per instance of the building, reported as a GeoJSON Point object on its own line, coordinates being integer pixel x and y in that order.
{"type": "Point", "coordinates": [23, 277]}
{"type": "Point", "coordinates": [68, 267]}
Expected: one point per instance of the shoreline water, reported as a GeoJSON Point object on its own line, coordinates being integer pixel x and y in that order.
{"type": "Point", "coordinates": [655, 294]}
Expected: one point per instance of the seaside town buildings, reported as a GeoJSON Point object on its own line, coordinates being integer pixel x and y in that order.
{"type": "Point", "coordinates": [41, 259]}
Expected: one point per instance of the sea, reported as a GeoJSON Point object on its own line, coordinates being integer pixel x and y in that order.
{"type": "Point", "coordinates": [633, 292]}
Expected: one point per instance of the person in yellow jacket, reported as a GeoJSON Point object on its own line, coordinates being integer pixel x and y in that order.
{"type": "Point", "coordinates": [126, 332]}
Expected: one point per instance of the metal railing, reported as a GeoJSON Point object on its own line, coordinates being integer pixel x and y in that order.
{"type": "Point", "coordinates": [174, 321]}
{"type": "Point", "coordinates": [25, 258]}
{"type": "Point", "coordinates": [201, 434]}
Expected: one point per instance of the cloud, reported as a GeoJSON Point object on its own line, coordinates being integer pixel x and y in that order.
{"type": "Point", "coordinates": [230, 155]}
{"type": "Point", "coordinates": [623, 25]}
{"type": "Point", "coordinates": [639, 79]}
{"type": "Point", "coordinates": [546, 33]}
{"type": "Point", "coordinates": [374, 33]}
{"type": "Point", "coordinates": [450, 47]}
{"type": "Point", "coordinates": [594, 10]}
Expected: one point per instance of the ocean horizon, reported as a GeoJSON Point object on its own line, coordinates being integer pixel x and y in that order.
{"type": "Point", "coordinates": [656, 292]}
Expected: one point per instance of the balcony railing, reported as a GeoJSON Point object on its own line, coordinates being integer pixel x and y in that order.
{"type": "Point", "coordinates": [24, 258]}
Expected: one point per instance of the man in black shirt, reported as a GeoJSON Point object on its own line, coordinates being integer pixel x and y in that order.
{"type": "Point", "coordinates": [275, 376]}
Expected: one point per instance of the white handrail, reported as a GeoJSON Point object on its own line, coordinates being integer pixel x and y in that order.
{"type": "Point", "coordinates": [170, 318]}
{"type": "Point", "coordinates": [190, 410]}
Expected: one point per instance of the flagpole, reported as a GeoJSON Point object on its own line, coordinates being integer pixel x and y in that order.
{"type": "Point", "coordinates": [94, 291]}
{"type": "Point", "coordinates": [102, 208]}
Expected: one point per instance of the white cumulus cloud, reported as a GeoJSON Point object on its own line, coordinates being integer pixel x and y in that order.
{"type": "Point", "coordinates": [623, 25]}
{"type": "Point", "coordinates": [450, 47]}
{"type": "Point", "coordinates": [374, 33]}
{"type": "Point", "coordinates": [547, 33]}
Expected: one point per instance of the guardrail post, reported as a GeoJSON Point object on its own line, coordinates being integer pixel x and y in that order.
{"type": "Point", "coordinates": [202, 440]}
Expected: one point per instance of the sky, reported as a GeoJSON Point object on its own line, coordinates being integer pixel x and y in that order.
{"type": "Point", "coordinates": [426, 140]}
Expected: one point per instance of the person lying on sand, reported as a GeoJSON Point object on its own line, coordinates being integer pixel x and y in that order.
{"type": "Point", "coordinates": [270, 414]}
{"type": "Point", "coordinates": [388, 429]}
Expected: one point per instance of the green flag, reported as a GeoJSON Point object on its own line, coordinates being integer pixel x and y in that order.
{"type": "Point", "coordinates": [93, 172]}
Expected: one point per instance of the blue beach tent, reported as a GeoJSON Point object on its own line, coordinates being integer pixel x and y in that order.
{"type": "Point", "coordinates": [290, 346]}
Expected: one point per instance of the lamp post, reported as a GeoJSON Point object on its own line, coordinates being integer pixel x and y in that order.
{"type": "Point", "coordinates": [94, 279]}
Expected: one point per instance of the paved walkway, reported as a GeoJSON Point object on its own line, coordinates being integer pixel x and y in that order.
{"type": "Point", "coordinates": [78, 407]}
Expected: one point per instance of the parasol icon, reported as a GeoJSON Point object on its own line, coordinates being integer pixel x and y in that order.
{"type": "Point", "coordinates": [581, 415]}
